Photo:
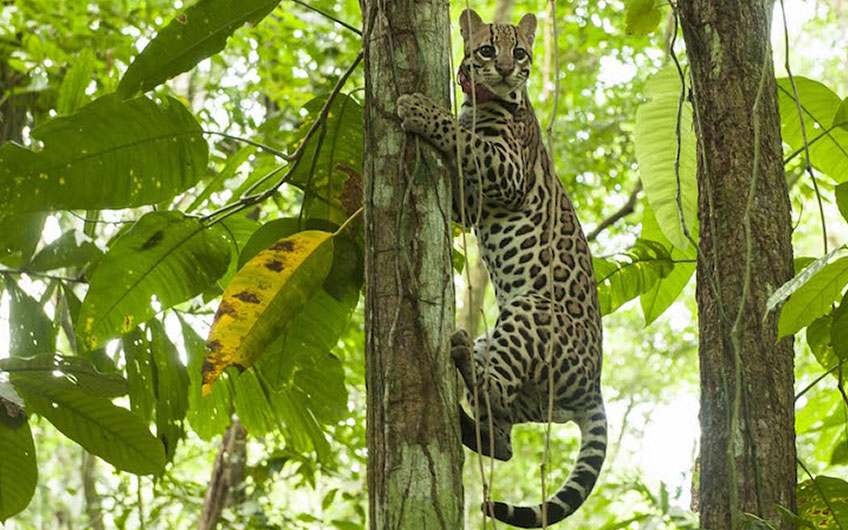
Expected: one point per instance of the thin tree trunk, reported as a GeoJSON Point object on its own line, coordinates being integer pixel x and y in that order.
{"type": "Point", "coordinates": [469, 316]}
{"type": "Point", "coordinates": [752, 469]}
{"type": "Point", "coordinates": [89, 489]}
{"type": "Point", "coordinates": [414, 449]}
{"type": "Point", "coordinates": [225, 485]}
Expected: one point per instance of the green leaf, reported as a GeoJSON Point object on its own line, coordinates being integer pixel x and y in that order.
{"type": "Point", "coordinates": [324, 175]}
{"type": "Point", "coordinates": [112, 433]}
{"type": "Point", "coordinates": [138, 355]}
{"type": "Point", "coordinates": [824, 502]}
{"type": "Point", "coordinates": [839, 330]}
{"type": "Point", "coordinates": [801, 277]}
{"type": "Point", "coordinates": [263, 297]}
{"type": "Point", "coordinates": [655, 144]}
{"type": "Point", "coordinates": [658, 298]}
{"type": "Point", "coordinates": [209, 416]}
{"type": "Point", "coordinates": [634, 272]}
{"type": "Point", "coordinates": [841, 193]}
{"type": "Point", "coordinates": [818, 339]}
{"type": "Point", "coordinates": [77, 370]}
{"type": "Point", "coordinates": [813, 298]}
{"type": "Point", "coordinates": [643, 16]}
{"type": "Point", "coordinates": [200, 31]}
{"type": "Point", "coordinates": [109, 154]}
{"type": "Point", "coordinates": [18, 470]}
{"type": "Point", "coordinates": [23, 239]}
{"type": "Point", "coordinates": [166, 255]}
{"type": "Point", "coordinates": [171, 389]}
{"type": "Point", "coordinates": [266, 235]}
{"type": "Point", "coordinates": [828, 149]}
{"type": "Point", "coordinates": [840, 453]}
{"type": "Point", "coordinates": [217, 182]}
{"type": "Point", "coordinates": [252, 404]}
{"type": "Point", "coordinates": [31, 332]}
{"type": "Point", "coordinates": [840, 119]}
{"type": "Point", "coordinates": [78, 77]}
{"type": "Point", "coordinates": [72, 249]}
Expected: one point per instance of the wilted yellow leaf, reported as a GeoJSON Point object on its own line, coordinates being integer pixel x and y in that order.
{"type": "Point", "coordinates": [262, 298]}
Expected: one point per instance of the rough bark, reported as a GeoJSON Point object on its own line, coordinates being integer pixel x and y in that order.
{"type": "Point", "coordinates": [225, 485]}
{"type": "Point", "coordinates": [414, 450]}
{"type": "Point", "coordinates": [728, 44]}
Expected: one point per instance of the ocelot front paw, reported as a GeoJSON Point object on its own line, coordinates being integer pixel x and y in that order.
{"type": "Point", "coordinates": [419, 114]}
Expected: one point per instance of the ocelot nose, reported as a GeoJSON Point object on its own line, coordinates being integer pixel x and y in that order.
{"type": "Point", "coordinates": [504, 69]}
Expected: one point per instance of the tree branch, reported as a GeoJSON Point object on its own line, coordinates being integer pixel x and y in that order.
{"type": "Point", "coordinates": [622, 212]}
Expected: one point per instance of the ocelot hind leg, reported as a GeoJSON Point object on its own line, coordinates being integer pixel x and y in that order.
{"type": "Point", "coordinates": [461, 348]}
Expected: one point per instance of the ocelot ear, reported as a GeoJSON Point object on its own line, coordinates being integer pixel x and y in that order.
{"type": "Point", "coordinates": [527, 27]}
{"type": "Point", "coordinates": [469, 21]}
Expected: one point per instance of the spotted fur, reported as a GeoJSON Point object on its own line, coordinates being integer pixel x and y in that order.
{"type": "Point", "coordinates": [508, 185]}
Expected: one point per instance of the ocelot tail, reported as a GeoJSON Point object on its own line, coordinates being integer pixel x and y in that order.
{"type": "Point", "coordinates": [537, 256]}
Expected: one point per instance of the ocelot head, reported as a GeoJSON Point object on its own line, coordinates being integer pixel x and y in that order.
{"type": "Point", "coordinates": [497, 56]}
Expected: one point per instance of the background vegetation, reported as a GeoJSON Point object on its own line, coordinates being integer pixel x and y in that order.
{"type": "Point", "coordinates": [74, 236]}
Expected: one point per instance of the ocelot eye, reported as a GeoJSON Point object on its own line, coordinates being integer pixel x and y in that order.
{"type": "Point", "coordinates": [519, 53]}
{"type": "Point", "coordinates": [487, 51]}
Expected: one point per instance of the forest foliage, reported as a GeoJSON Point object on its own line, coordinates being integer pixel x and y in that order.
{"type": "Point", "coordinates": [181, 200]}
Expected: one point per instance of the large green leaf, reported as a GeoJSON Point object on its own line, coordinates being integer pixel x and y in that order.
{"type": "Point", "coordinates": [658, 298]}
{"type": "Point", "coordinates": [208, 415]}
{"type": "Point", "coordinates": [632, 273]}
{"type": "Point", "coordinates": [824, 503]}
{"type": "Point", "coordinates": [72, 249]}
{"type": "Point", "coordinates": [655, 143]}
{"type": "Point", "coordinates": [112, 433]}
{"type": "Point", "coordinates": [818, 339]}
{"type": "Point", "coordinates": [18, 470]}
{"type": "Point", "coordinates": [77, 78]}
{"type": "Point", "coordinates": [166, 255]}
{"type": "Point", "coordinates": [263, 298]}
{"type": "Point", "coordinates": [77, 370]}
{"type": "Point", "coordinates": [839, 330]}
{"type": "Point", "coordinates": [810, 269]}
{"type": "Point", "coordinates": [200, 31]}
{"type": "Point", "coordinates": [31, 332]}
{"type": "Point", "coordinates": [828, 145]}
{"type": "Point", "coordinates": [323, 174]}
{"type": "Point", "coordinates": [814, 298]}
{"type": "Point", "coordinates": [23, 239]}
{"type": "Point", "coordinates": [252, 402]}
{"type": "Point", "coordinates": [109, 154]}
{"type": "Point", "coordinates": [171, 389]}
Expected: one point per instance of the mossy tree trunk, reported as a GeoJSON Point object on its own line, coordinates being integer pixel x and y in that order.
{"type": "Point", "coordinates": [729, 52]}
{"type": "Point", "coordinates": [414, 449]}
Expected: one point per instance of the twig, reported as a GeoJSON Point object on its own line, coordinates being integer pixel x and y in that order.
{"type": "Point", "coordinates": [622, 212]}
{"type": "Point", "coordinates": [260, 145]}
{"type": "Point", "coordinates": [327, 15]}
{"type": "Point", "coordinates": [249, 200]}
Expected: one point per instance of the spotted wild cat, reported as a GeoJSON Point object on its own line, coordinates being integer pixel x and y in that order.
{"type": "Point", "coordinates": [509, 185]}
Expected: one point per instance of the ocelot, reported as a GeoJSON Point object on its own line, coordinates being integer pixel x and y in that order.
{"type": "Point", "coordinates": [537, 256]}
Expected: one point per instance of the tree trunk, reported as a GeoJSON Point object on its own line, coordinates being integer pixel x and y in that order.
{"type": "Point", "coordinates": [89, 490]}
{"type": "Point", "coordinates": [728, 46]}
{"type": "Point", "coordinates": [414, 449]}
{"type": "Point", "coordinates": [225, 485]}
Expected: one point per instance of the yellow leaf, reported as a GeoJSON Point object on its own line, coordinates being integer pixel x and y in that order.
{"type": "Point", "coordinates": [262, 298]}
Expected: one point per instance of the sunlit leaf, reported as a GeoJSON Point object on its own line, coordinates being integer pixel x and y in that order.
{"type": "Point", "coordinates": [18, 470]}
{"type": "Point", "coordinates": [77, 78]}
{"type": "Point", "coordinates": [165, 255]}
{"type": "Point", "coordinates": [72, 249]}
{"type": "Point", "coordinates": [261, 300]}
{"type": "Point", "coordinates": [193, 35]}
{"type": "Point", "coordinates": [803, 276]}
{"type": "Point", "coordinates": [109, 154]}
{"type": "Point", "coordinates": [818, 339]}
{"type": "Point", "coordinates": [631, 274]}
{"type": "Point", "coordinates": [643, 16]}
{"type": "Point", "coordinates": [217, 182]}
{"type": "Point", "coordinates": [813, 298]}
{"type": "Point", "coordinates": [112, 433]}
{"type": "Point", "coordinates": [839, 330]}
{"type": "Point", "coordinates": [138, 356]}
{"type": "Point", "coordinates": [658, 298]}
{"type": "Point", "coordinates": [77, 370]}
{"type": "Point", "coordinates": [828, 144]}
{"type": "Point", "coordinates": [30, 331]}
{"type": "Point", "coordinates": [655, 143]}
